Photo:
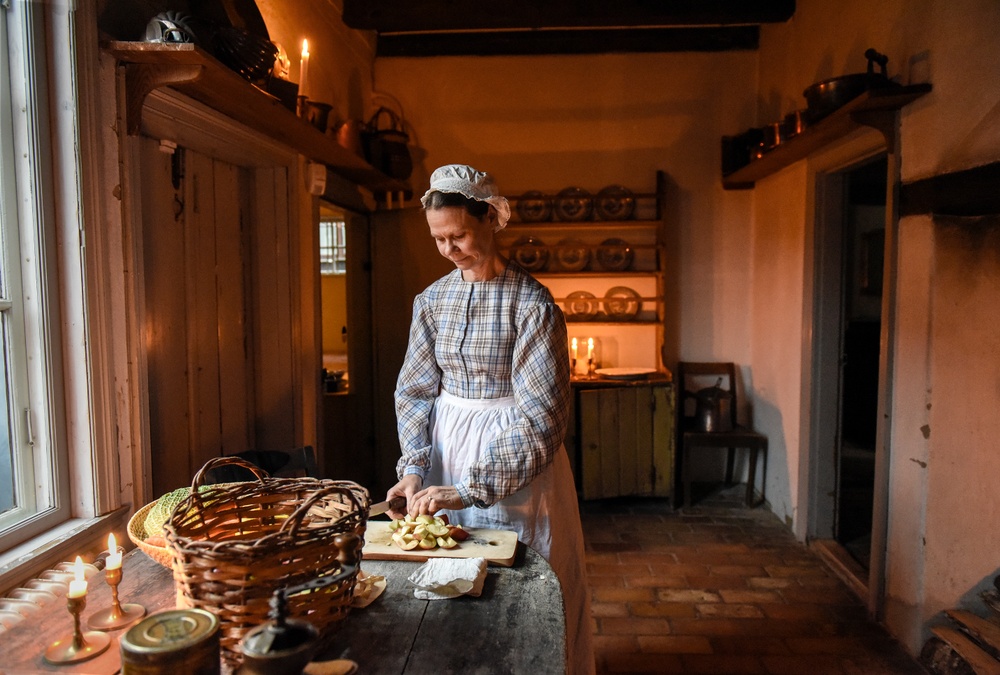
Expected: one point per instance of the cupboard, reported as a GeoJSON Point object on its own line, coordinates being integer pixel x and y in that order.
{"type": "Point", "coordinates": [603, 260]}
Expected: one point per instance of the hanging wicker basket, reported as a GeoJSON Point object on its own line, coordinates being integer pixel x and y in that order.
{"type": "Point", "coordinates": [234, 545]}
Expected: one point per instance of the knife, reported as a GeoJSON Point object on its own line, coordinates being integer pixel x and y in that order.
{"type": "Point", "coordinates": [381, 507]}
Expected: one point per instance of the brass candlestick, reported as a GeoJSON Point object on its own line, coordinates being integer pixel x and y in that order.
{"type": "Point", "coordinates": [590, 368]}
{"type": "Point", "coordinates": [117, 615]}
{"type": "Point", "coordinates": [572, 368]}
{"type": "Point", "coordinates": [79, 646]}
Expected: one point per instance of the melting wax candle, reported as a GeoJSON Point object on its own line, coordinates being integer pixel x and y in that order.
{"type": "Point", "coordinates": [115, 556]}
{"type": "Point", "coordinates": [78, 586]}
{"type": "Point", "coordinates": [574, 349]}
{"type": "Point", "coordinates": [304, 68]}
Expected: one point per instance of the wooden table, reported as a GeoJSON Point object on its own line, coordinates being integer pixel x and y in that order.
{"type": "Point", "coordinates": [515, 626]}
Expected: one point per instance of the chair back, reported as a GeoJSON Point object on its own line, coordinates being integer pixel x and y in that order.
{"type": "Point", "coordinates": [694, 376]}
{"type": "Point", "coordinates": [292, 463]}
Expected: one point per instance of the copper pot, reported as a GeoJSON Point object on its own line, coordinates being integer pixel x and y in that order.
{"type": "Point", "coordinates": [826, 96]}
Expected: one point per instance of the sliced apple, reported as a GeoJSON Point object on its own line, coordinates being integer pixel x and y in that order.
{"type": "Point", "coordinates": [457, 533]}
{"type": "Point", "coordinates": [446, 542]}
{"type": "Point", "coordinates": [438, 530]}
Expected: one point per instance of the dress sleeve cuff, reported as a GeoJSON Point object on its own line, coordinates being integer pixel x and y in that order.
{"type": "Point", "coordinates": [466, 496]}
{"type": "Point", "coordinates": [414, 470]}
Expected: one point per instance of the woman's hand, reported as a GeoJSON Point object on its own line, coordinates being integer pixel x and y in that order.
{"type": "Point", "coordinates": [407, 487]}
{"type": "Point", "coordinates": [434, 498]}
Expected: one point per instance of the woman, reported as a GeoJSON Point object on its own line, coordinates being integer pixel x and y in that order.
{"type": "Point", "coordinates": [483, 396]}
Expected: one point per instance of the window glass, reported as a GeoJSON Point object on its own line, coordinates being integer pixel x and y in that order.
{"type": "Point", "coordinates": [34, 494]}
{"type": "Point", "coordinates": [332, 246]}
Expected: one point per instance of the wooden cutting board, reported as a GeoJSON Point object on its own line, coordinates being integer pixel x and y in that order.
{"type": "Point", "coordinates": [497, 546]}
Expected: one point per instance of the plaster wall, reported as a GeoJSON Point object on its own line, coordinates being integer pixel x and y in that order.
{"type": "Point", "coordinates": [340, 61]}
{"type": "Point", "coordinates": [550, 122]}
{"type": "Point", "coordinates": [775, 367]}
{"type": "Point", "coordinates": [942, 508]}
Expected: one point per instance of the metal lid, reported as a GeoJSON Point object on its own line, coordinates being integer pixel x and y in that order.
{"type": "Point", "coordinates": [170, 630]}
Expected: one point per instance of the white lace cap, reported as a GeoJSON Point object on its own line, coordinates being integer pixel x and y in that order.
{"type": "Point", "coordinates": [471, 183]}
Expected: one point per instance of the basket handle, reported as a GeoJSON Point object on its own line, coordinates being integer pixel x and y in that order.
{"type": "Point", "coordinates": [394, 122]}
{"type": "Point", "coordinates": [199, 478]}
{"type": "Point", "coordinates": [295, 520]}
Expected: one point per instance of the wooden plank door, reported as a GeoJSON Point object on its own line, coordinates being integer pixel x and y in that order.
{"type": "Point", "coordinates": [195, 262]}
{"type": "Point", "coordinates": [625, 441]}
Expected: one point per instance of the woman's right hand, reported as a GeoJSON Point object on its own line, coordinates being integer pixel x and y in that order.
{"type": "Point", "coordinates": [407, 487]}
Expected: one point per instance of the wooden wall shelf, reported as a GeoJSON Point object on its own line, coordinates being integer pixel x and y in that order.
{"type": "Point", "coordinates": [194, 73]}
{"type": "Point", "coordinates": [876, 108]}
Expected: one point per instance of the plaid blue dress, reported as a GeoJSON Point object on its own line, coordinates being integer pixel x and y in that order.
{"type": "Point", "coordinates": [485, 340]}
{"type": "Point", "coordinates": [481, 403]}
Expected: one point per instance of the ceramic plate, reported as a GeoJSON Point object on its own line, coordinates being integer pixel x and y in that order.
{"type": "Point", "coordinates": [534, 207]}
{"type": "Point", "coordinates": [573, 204]}
{"type": "Point", "coordinates": [373, 587]}
{"type": "Point", "coordinates": [621, 302]}
{"type": "Point", "coordinates": [581, 306]}
{"type": "Point", "coordinates": [614, 203]}
{"type": "Point", "coordinates": [625, 373]}
{"type": "Point", "coordinates": [530, 253]}
{"type": "Point", "coordinates": [615, 255]}
{"type": "Point", "coordinates": [573, 255]}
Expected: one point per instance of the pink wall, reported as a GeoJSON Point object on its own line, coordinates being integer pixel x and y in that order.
{"type": "Point", "coordinates": [546, 123]}
{"type": "Point", "coordinates": [943, 505]}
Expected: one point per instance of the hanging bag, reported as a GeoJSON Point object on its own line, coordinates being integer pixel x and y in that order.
{"type": "Point", "coordinates": [385, 145]}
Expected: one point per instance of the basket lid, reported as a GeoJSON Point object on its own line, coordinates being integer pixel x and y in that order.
{"type": "Point", "coordinates": [170, 631]}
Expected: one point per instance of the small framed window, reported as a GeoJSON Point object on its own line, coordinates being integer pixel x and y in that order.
{"type": "Point", "coordinates": [332, 246]}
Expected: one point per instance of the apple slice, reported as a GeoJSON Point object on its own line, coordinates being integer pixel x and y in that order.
{"type": "Point", "coordinates": [457, 533]}
{"type": "Point", "coordinates": [446, 542]}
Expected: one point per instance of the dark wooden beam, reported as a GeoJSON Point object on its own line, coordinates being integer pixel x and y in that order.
{"type": "Point", "coordinates": [504, 43]}
{"type": "Point", "coordinates": [409, 16]}
{"type": "Point", "coordinates": [972, 192]}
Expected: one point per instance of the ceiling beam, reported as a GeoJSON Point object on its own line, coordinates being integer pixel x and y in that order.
{"type": "Point", "coordinates": [541, 42]}
{"type": "Point", "coordinates": [421, 16]}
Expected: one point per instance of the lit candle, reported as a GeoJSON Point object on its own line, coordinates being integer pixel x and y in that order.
{"type": "Point", "coordinates": [590, 348]}
{"type": "Point", "coordinates": [78, 586]}
{"type": "Point", "coordinates": [114, 560]}
{"type": "Point", "coordinates": [574, 349]}
{"type": "Point", "coordinates": [304, 68]}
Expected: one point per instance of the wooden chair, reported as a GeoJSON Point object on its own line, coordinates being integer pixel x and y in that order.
{"type": "Point", "coordinates": [293, 463]}
{"type": "Point", "coordinates": [694, 376]}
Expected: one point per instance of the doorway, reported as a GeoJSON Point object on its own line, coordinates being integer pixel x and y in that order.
{"type": "Point", "coordinates": [863, 226]}
{"type": "Point", "coordinates": [348, 427]}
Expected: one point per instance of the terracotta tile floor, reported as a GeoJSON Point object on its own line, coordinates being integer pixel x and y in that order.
{"type": "Point", "coordinates": [721, 589]}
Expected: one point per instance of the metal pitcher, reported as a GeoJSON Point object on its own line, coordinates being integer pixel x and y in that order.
{"type": "Point", "coordinates": [714, 408]}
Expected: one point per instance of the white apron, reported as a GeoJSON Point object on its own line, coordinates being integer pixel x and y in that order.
{"type": "Point", "coordinates": [461, 430]}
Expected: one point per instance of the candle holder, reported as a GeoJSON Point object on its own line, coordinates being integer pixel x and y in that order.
{"type": "Point", "coordinates": [79, 646]}
{"type": "Point", "coordinates": [591, 368]}
{"type": "Point", "coordinates": [117, 615]}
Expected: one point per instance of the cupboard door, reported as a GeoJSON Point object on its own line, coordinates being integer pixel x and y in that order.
{"type": "Point", "coordinates": [663, 441]}
{"type": "Point", "coordinates": [625, 441]}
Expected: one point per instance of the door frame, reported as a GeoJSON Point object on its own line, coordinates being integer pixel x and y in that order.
{"type": "Point", "coordinates": [819, 389]}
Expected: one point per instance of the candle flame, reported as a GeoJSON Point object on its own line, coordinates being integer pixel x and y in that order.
{"type": "Point", "coordinates": [112, 543]}
{"type": "Point", "coordinates": [305, 48]}
{"type": "Point", "coordinates": [78, 569]}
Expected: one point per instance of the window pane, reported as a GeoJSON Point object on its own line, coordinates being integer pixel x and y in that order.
{"type": "Point", "coordinates": [6, 460]}
{"type": "Point", "coordinates": [332, 247]}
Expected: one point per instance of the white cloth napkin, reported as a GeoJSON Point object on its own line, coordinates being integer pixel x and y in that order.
{"type": "Point", "coordinates": [443, 578]}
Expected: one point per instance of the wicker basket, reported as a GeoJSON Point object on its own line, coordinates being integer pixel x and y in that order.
{"type": "Point", "coordinates": [234, 546]}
